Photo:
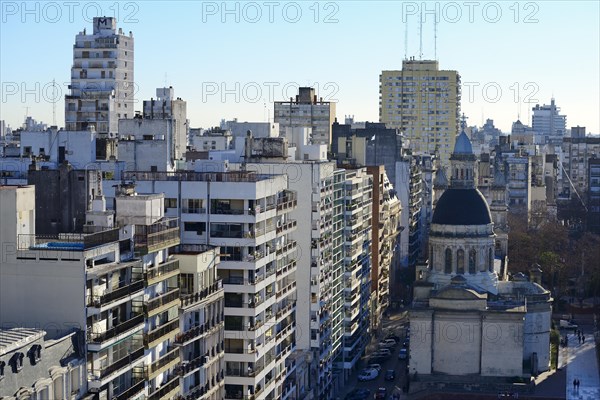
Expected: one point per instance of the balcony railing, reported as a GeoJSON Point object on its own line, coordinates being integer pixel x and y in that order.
{"type": "Point", "coordinates": [190, 299]}
{"type": "Point", "coordinates": [288, 225]}
{"type": "Point", "coordinates": [288, 246]}
{"type": "Point", "coordinates": [165, 269]}
{"type": "Point", "coordinates": [116, 330]}
{"type": "Point", "coordinates": [158, 333]}
{"type": "Point", "coordinates": [165, 389]}
{"type": "Point", "coordinates": [160, 235]}
{"type": "Point", "coordinates": [98, 301]}
{"type": "Point", "coordinates": [196, 331]}
{"type": "Point", "coordinates": [162, 300]}
{"type": "Point", "coordinates": [123, 362]}
{"type": "Point", "coordinates": [67, 241]}
{"type": "Point", "coordinates": [136, 387]}
{"type": "Point", "coordinates": [171, 356]}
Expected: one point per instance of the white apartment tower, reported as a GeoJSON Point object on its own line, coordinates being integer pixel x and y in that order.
{"type": "Point", "coordinates": [547, 121]}
{"type": "Point", "coordinates": [307, 111]}
{"type": "Point", "coordinates": [102, 84]}
{"type": "Point", "coordinates": [424, 103]}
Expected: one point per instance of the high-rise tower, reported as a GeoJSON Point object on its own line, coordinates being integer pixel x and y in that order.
{"type": "Point", "coordinates": [102, 85]}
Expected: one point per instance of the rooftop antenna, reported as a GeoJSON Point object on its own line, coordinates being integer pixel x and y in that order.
{"type": "Point", "coordinates": [435, 38]}
{"type": "Point", "coordinates": [406, 40]}
{"type": "Point", "coordinates": [53, 102]}
{"type": "Point", "coordinates": [463, 121]}
{"type": "Point", "coordinates": [421, 35]}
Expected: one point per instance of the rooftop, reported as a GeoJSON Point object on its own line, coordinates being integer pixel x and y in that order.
{"type": "Point", "coordinates": [15, 338]}
{"type": "Point", "coordinates": [232, 176]}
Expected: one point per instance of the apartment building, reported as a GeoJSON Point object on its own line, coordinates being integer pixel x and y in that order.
{"type": "Point", "coordinates": [248, 216]}
{"type": "Point", "coordinates": [358, 192]}
{"type": "Point", "coordinates": [423, 102]}
{"type": "Point", "coordinates": [577, 151]}
{"type": "Point", "coordinates": [307, 111]}
{"type": "Point", "coordinates": [102, 82]}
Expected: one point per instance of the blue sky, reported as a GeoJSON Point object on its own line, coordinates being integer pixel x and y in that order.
{"type": "Point", "coordinates": [232, 60]}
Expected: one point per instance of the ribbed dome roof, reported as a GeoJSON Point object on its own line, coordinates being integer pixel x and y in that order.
{"type": "Point", "coordinates": [462, 207]}
{"type": "Point", "coordinates": [463, 144]}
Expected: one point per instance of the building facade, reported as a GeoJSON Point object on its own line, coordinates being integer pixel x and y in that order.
{"type": "Point", "coordinates": [423, 102]}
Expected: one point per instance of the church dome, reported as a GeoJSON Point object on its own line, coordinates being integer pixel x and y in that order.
{"type": "Point", "coordinates": [463, 144]}
{"type": "Point", "coordinates": [462, 207]}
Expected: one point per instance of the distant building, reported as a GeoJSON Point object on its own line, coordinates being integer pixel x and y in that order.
{"type": "Point", "coordinates": [593, 197]}
{"type": "Point", "coordinates": [577, 151]}
{"type": "Point", "coordinates": [259, 129]}
{"type": "Point", "coordinates": [423, 103]}
{"type": "Point", "coordinates": [102, 83]}
{"type": "Point", "coordinates": [548, 123]}
{"type": "Point", "coordinates": [307, 111]}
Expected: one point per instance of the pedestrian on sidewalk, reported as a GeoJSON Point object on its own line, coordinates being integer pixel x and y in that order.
{"type": "Point", "coordinates": [579, 339]}
{"type": "Point", "coordinates": [582, 339]}
{"type": "Point", "coordinates": [574, 384]}
{"type": "Point", "coordinates": [578, 385]}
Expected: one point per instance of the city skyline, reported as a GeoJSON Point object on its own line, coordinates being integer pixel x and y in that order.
{"type": "Point", "coordinates": [249, 67]}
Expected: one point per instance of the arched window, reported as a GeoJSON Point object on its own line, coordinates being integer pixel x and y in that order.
{"type": "Point", "coordinates": [491, 260]}
{"type": "Point", "coordinates": [448, 262]}
{"type": "Point", "coordinates": [472, 264]}
{"type": "Point", "coordinates": [460, 261]}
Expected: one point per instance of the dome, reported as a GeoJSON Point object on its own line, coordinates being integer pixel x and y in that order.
{"type": "Point", "coordinates": [462, 207]}
{"type": "Point", "coordinates": [463, 144]}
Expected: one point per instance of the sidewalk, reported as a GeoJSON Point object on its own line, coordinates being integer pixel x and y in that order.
{"type": "Point", "coordinates": [582, 365]}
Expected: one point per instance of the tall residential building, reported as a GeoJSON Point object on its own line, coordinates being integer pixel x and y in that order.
{"type": "Point", "coordinates": [384, 232]}
{"type": "Point", "coordinates": [577, 151]}
{"type": "Point", "coordinates": [248, 216]}
{"type": "Point", "coordinates": [156, 139]}
{"type": "Point", "coordinates": [358, 188]}
{"type": "Point", "coordinates": [307, 111]}
{"type": "Point", "coordinates": [102, 83]}
{"type": "Point", "coordinates": [547, 122]}
{"type": "Point", "coordinates": [423, 102]}
{"type": "Point", "coordinates": [593, 197]}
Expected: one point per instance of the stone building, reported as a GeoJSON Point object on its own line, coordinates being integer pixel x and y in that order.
{"type": "Point", "coordinates": [468, 320]}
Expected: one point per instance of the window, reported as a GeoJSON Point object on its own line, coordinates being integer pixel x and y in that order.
{"type": "Point", "coordinates": [472, 258]}
{"type": "Point", "coordinates": [448, 262]}
{"type": "Point", "coordinates": [460, 261]}
{"type": "Point", "coordinates": [17, 362]}
{"type": "Point", "coordinates": [192, 206]}
{"type": "Point", "coordinates": [35, 353]}
{"type": "Point", "coordinates": [491, 260]}
{"type": "Point", "coordinates": [186, 283]}
{"type": "Point", "coordinates": [170, 203]}
{"type": "Point", "coordinates": [198, 227]}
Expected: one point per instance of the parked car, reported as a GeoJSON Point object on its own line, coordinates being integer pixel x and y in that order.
{"type": "Point", "coordinates": [387, 343]}
{"type": "Point", "coordinates": [386, 352]}
{"type": "Point", "coordinates": [394, 337]}
{"type": "Point", "coordinates": [374, 366]}
{"type": "Point", "coordinates": [390, 375]}
{"type": "Point", "coordinates": [403, 355]}
{"type": "Point", "coordinates": [381, 393]}
{"type": "Point", "coordinates": [358, 394]}
{"type": "Point", "coordinates": [368, 375]}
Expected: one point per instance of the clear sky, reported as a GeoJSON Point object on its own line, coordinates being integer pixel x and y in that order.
{"type": "Point", "coordinates": [234, 59]}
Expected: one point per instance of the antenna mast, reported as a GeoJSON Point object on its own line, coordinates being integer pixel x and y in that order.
{"type": "Point", "coordinates": [421, 35]}
{"type": "Point", "coordinates": [54, 102]}
{"type": "Point", "coordinates": [406, 40]}
{"type": "Point", "coordinates": [435, 38]}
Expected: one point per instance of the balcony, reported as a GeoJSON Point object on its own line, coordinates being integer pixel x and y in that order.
{"type": "Point", "coordinates": [169, 360]}
{"type": "Point", "coordinates": [162, 271]}
{"type": "Point", "coordinates": [188, 300]}
{"type": "Point", "coordinates": [133, 324]}
{"type": "Point", "coordinates": [169, 330]}
{"type": "Point", "coordinates": [288, 201]}
{"type": "Point", "coordinates": [137, 386]}
{"type": "Point", "coordinates": [167, 391]}
{"type": "Point", "coordinates": [120, 364]}
{"type": "Point", "coordinates": [286, 227]}
{"type": "Point", "coordinates": [134, 288]}
{"type": "Point", "coordinates": [286, 247]}
{"type": "Point", "coordinates": [162, 302]}
{"type": "Point", "coordinates": [160, 235]}
{"type": "Point", "coordinates": [197, 331]}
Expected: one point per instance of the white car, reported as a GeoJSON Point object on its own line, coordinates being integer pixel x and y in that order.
{"type": "Point", "coordinates": [384, 351]}
{"type": "Point", "coordinates": [368, 375]}
{"type": "Point", "coordinates": [375, 367]}
{"type": "Point", "coordinates": [387, 343]}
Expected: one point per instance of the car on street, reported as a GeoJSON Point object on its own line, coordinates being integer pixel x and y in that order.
{"type": "Point", "coordinates": [387, 343]}
{"type": "Point", "coordinates": [381, 393]}
{"type": "Point", "coordinates": [394, 337]}
{"type": "Point", "coordinates": [374, 366]}
{"type": "Point", "coordinates": [403, 355]}
{"type": "Point", "coordinates": [358, 394]}
{"type": "Point", "coordinates": [385, 352]}
{"type": "Point", "coordinates": [368, 375]}
{"type": "Point", "coordinates": [390, 375]}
